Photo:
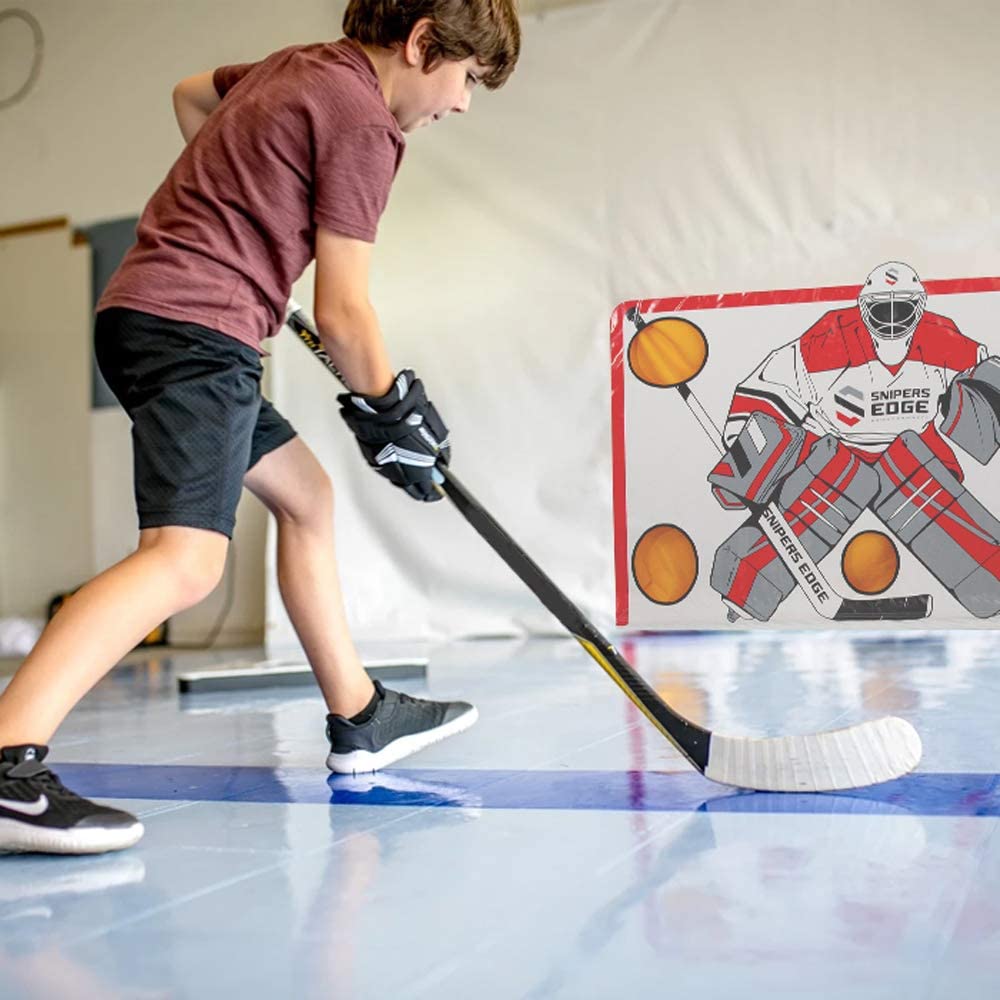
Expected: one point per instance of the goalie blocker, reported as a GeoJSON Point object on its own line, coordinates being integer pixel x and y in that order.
{"type": "Point", "coordinates": [765, 451]}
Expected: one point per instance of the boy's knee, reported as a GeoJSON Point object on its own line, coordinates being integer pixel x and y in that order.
{"type": "Point", "coordinates": [312, 502]}
{"type": "Point", "coordinates": [199, 576]}
{"type": "Point", "coordinates": [321, 494]}
{"type": "Point", "coordinates": [195, 560]}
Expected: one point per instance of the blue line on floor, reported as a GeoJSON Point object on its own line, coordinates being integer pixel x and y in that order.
{"type": "Point", "coordinates": [942, 794]}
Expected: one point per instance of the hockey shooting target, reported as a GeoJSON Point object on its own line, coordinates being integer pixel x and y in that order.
{"type": "Point", "coordinates": [870, 562]}
{"type": "Point", "coordinates": [665, 564]}
{"type": "Point", "coordinates": [667, 352]}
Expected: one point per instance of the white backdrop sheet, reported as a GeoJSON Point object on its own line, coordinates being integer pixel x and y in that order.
{"type": "Point", "coordinates": [641, 148]}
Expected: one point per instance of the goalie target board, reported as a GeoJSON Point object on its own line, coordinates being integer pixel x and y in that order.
{"type": "Point", "coordinates": [880, 493]}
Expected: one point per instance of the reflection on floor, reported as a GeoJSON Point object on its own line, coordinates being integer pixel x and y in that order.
{"type": "Point", "coordinates": [560, 848]}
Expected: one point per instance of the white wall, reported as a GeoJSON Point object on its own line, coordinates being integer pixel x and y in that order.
{"type": "Point", "coordinates": [96, 135]}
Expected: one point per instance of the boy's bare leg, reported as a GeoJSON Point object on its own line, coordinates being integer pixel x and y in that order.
{"type": "Point", "coordinates": [293, 486]}
{"type": "Point", "coordinates": [173, 569]}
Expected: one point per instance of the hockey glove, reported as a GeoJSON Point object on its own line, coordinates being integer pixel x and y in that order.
{"type": "Point", "coordinates": [970, 410]}
{"type": "Point", "coordinates": [400, 435]}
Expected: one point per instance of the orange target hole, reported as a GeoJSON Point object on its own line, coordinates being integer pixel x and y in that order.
{"type": "Point", "coordinates": [665, 564]}
{"type": "Point", "coordinates": [870, 562]}
{"type": "Point", "coordinates": [667, 352]}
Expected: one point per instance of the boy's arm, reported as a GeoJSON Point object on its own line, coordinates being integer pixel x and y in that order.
{"type": "Point", "coordinates": [345, 319]}
{"type": "Point", "coordinates": [195, 98]}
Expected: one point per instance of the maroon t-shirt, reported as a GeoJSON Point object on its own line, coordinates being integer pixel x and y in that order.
{"type": "Point", "coordinates": [302, 139]}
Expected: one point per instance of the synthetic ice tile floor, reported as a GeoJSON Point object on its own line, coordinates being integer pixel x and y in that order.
{"type": "Point", "coordinates": [560, 848]}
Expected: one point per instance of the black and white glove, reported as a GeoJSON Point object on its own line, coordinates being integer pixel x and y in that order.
{"type": "Point", "coordinates": [400, 434]}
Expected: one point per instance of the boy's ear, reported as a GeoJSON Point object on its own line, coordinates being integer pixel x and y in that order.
{"type": "Point", "coordinates": [415, 47]}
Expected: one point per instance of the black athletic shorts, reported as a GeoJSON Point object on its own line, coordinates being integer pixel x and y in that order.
{"type": "Point", "coordinates": [199, 421]}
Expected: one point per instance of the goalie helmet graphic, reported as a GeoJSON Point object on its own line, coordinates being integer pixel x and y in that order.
{"type": "Point", "coordinates": [892, 301]}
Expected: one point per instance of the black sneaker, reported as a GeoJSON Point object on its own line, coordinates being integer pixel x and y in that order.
{"type": "Point", "coordinates": [40, 814]}
{"type": "Point", "coordinates": [400, 726]}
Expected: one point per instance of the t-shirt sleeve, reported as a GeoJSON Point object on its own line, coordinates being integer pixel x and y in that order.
{"type": "Point", "coordinates": [353, 177]}
{"type": "Point", "coordinates": [226, 77]}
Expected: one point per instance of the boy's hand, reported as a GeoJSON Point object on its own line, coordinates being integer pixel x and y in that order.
{"type": "Point", "coordinates": [400, 434]}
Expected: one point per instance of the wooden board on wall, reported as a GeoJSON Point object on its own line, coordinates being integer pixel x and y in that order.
{"type": "Point", "coordinates": [45, 498]}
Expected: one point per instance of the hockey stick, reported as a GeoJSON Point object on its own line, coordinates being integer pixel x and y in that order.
{"type": "Point", "coordinates": [861, 755]}
{"type": "Point", "coordinates": [811, 580]}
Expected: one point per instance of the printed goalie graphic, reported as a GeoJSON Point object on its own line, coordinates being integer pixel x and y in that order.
{"type": "Point", "coordinates": [861, 412]}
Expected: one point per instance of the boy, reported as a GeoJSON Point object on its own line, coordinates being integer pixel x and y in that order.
{"type": "Point", "coordinates": [287, 159]}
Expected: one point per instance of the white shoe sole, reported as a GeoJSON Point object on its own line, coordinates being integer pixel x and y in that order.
{"type": "Point", "coordinates": [23, 838]}
{"type": "Point", "coordinates": [364, 761]}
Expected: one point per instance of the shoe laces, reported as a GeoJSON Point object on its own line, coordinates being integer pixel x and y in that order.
{"type": "Point", "coordinates": [36, 771]}
{"type": "Point", "coordinates": [409, 700]}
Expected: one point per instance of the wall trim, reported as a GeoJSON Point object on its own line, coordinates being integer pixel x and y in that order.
{"type": "Point", "coordinates": [37, 226]}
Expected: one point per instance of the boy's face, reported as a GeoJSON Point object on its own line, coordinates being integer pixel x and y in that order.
{"type": "Point", "coordinates": [429, 97]}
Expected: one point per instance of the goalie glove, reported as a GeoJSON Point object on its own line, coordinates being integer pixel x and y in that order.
{"type": "Point", "coordinates": [400, 434]}
{"type": "Point", "coordinates": [970, 410]}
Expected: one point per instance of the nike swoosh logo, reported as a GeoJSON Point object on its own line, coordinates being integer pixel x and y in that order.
{"type": "Point", "coordinates": [27, 808]}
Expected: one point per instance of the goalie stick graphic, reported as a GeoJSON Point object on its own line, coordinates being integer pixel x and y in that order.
{"type": "Point", "coordinates": [859, 413]}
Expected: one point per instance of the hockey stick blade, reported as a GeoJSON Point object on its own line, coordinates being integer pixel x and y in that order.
{"type": "Point", "coordinates": [816, 762]}
{"type": "Point", "coordinates": [861, 755]}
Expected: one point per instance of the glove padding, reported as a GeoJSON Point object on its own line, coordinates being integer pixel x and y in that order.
{"type": "Point", "coordinates": [751, 471]}
{"type": "Point", "coordinates": [400, 435]}
{"type": "Point", "coordinates": [970, 410]}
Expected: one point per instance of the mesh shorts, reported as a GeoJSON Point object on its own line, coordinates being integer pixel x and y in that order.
{"type": "Point", "coordinates": [199, 421]}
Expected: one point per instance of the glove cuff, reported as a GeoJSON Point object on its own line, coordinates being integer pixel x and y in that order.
{"type": "Point", "coordinates": [380, 404]}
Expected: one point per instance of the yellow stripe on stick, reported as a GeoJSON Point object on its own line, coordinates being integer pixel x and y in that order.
{"type": "Point", "coordinates": [610, 670]}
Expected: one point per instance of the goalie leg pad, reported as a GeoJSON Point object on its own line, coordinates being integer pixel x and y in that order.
{"type": "Point", "coordinates": [825, 495]}
{"type": "Point", "coordinates": [971, 411]}
{"type": "Point", "coordinates": [748, 573]}
{"type": "Point", "coordinates": [941, 523]}
{"type": "Point", "coordinates": [820, 500]}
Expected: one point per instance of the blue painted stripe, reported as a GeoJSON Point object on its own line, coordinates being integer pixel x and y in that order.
{"type": "Point", "coordinates": [942, 794]}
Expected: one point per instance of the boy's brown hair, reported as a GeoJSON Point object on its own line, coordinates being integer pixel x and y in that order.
{"type": "Point", "coordinates": [486, 29]}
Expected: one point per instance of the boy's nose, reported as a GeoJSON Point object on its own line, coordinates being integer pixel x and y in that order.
{"type": "Point", "coordinates": [463, 102]}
